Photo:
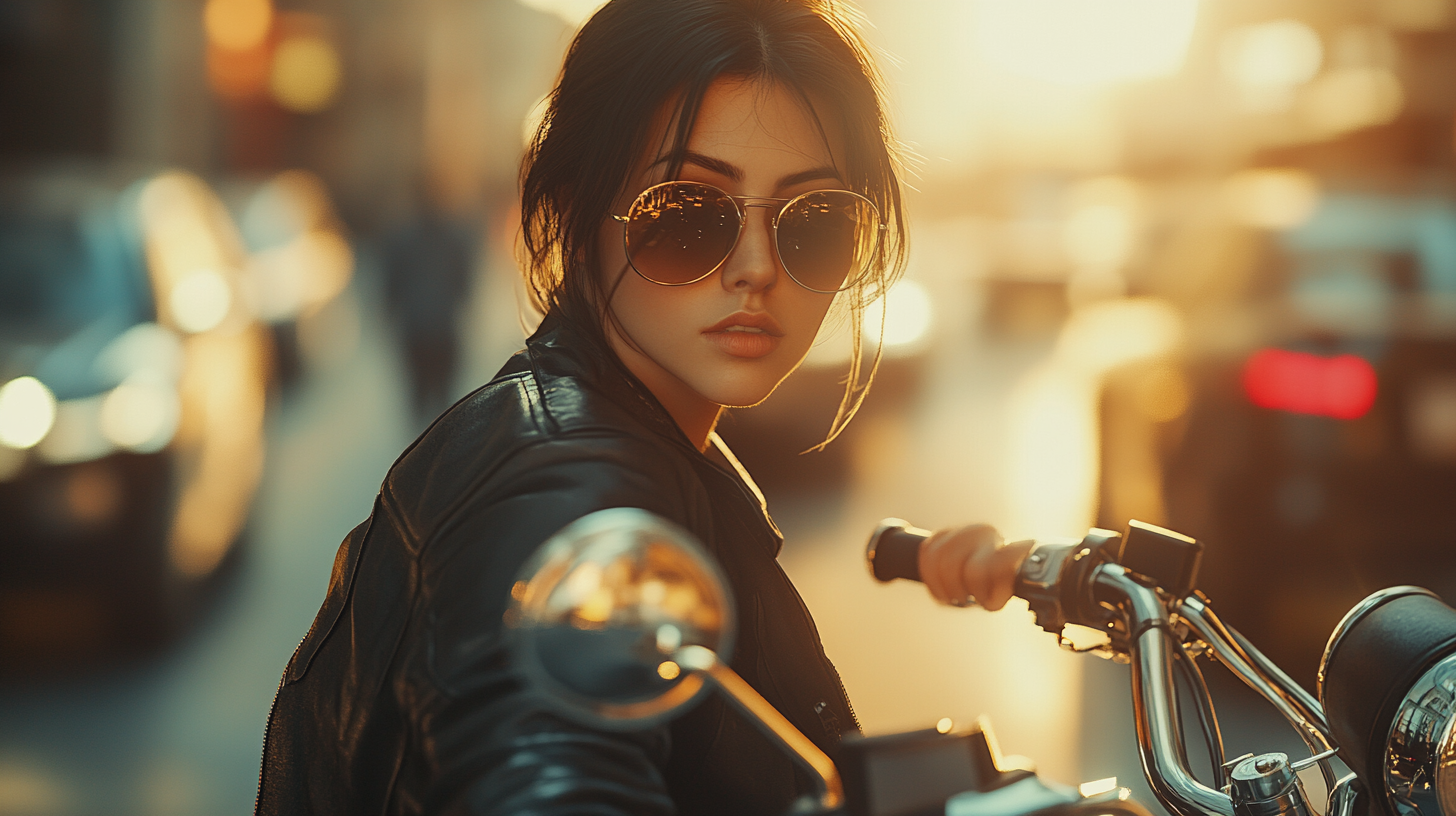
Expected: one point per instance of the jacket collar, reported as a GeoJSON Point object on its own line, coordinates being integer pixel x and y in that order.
{"type": "Point", "coordinates": [559, 350]}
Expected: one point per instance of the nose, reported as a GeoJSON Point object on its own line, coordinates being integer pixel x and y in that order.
{"type": "Point", "coordinates": [753, 265]}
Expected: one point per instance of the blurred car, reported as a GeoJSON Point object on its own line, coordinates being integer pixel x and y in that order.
{"type": "Point", "coordinates": [1307, 433]}
{"type": "Point", "coordinates": [132, 389]}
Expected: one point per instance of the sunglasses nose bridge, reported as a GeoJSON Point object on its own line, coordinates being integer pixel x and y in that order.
{"type": "Point", "coordinates": [773, 206]}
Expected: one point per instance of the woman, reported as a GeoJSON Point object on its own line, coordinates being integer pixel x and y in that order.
{"type": "Point", "coordinates": [710, 176]}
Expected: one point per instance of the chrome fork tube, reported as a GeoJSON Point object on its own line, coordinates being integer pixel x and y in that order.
{"type": "Point", "coordinates": [1343, 797]}
{"type": "Point", "coordinates": [1155, 702]}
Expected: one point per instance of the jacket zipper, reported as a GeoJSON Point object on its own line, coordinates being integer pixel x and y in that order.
{"type": "Point", "coordinates": [823, 660]}
{"type": "Point", "coordinates": [268, 726]}
{"type": "Point", "coordinates": [844, 695]}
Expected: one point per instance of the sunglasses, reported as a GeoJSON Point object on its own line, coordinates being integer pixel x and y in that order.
{"type": "Point", "coordinates": [680, 232]}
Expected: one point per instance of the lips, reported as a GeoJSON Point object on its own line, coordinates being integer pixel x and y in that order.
{"type": "Point", "coordinates": [746, 334]}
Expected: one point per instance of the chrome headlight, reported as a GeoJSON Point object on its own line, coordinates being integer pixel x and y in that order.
{"type": "Point", "coordinates": [1388, 685]}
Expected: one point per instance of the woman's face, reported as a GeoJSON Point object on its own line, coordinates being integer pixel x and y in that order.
{"type": "Point", "coordinates": [730, 338]}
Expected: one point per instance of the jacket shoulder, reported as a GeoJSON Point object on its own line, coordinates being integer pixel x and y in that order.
{"type": "Point", "coordinates": [519, 434]}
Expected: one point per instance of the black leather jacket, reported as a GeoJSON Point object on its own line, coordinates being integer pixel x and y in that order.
{"type": "Point", "coordinates": [402, 699]}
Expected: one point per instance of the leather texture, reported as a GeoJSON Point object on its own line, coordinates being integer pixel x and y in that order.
{"type": "Point", "coordinates": [402, 698]}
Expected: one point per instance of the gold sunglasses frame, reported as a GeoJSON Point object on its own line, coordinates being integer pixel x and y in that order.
{"type": "Point", "coordinates": [740, 203]}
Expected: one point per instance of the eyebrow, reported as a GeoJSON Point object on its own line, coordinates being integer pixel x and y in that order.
{"type": "Point", "coordinates": [735, 172]}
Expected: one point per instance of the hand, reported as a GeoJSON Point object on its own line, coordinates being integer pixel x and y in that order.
{"type": "Point", "coordinates": [971, 564]}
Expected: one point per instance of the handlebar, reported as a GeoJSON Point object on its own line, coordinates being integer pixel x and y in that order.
{"type": "Point", "coordinates": [1139, 589]}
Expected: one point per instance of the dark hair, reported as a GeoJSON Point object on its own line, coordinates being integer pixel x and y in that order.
{"type": "Point", "coordinates": [631, 59]}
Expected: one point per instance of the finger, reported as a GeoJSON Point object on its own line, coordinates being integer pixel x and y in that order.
{"type": "Point", "coordinates": [944, 559]}
{"type": "Point", "coordinates": [998, 569]}
{"type": "Point", "coordinates": [963, 547]}
{"type": "Point", "coordinates": [975, 574]}
{"type": "Point", "coordinates": [976, 577]}
{"type": "Point", "coordinates": [930, 557]}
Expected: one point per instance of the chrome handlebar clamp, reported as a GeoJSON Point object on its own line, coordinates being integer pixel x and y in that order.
{"type": "Point", "coordinates": [1266, 785]}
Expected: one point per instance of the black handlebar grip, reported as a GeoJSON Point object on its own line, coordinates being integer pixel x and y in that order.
{"type": "Point", "coordinates": [894, 550]}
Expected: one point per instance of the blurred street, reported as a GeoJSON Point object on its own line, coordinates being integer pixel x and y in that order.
{"type": "Point", "coordinates": [182, 735]}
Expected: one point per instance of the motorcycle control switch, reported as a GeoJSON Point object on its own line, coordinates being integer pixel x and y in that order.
{"type": "Point", "coordinates": [1170, 560]}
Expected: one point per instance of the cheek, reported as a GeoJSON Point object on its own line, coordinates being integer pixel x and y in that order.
{"type": "Point", "coordinates": [650, 313]}
{"type": "Point", "coordinates": [806, 314]}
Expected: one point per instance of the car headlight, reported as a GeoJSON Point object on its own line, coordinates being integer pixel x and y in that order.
{"type": "Point", "coordinates": [27, 412]}
{"type": "Point", "coordinates": [141, 415]}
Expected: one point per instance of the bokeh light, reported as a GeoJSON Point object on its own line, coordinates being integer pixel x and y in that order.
{"type": "Point", "coordinates": [1279, 54]}
{"type": "Point", "coordinates": [1106, 335]}
{"type": "Point", "coordinates": [200, 301]}
{"type": "Point", "coordinates": [1272, 198]}
{"type": "Point", "coordinates": [27, 412]}
{"type": "Point", "coordinates": [305, 74]}
{"type": "Point", "coordinates": [907, 315]}
{"type": "Point", "coordinates": [141, 415]}
{"type": "Point", "coordinates": [1352, 98]}
{"type": "Point", "coordinates": [1342, 387]}
{"type": "Point", "coordinates": [237, 25]}
{"type": "Point", "coordinates": [1100, 236]}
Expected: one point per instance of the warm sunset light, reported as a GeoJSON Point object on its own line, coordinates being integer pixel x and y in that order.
{"type": "Point", "coordinates": [289, 288]}
{"type": "Point", "coordinates": [572, 12]}
{"type": "Point", "coordinates": [1086, 42]}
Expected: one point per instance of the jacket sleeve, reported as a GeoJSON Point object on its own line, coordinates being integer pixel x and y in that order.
{"type": "Point", "coordinates": [488, 744]}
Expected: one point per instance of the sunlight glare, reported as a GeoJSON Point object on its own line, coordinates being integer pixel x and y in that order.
{"type": "Point", "coordinates": [907, 314]}
{"type": "Point", "coordinates": [1086, 42]}
{"type": "Point", "coordinates": [571, 12]}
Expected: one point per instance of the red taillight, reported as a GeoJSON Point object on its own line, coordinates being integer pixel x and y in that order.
{"type": "Point", "coordinates": [1342, 387]}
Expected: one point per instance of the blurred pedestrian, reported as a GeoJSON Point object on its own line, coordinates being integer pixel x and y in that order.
{"type": "Point", "coordinates": [428, 266]}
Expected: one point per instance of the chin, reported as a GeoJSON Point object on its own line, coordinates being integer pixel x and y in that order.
{"type": "Point", "coordinates": [740, 394]}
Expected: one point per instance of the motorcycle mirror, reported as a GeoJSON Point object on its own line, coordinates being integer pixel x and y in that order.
{"type": "Point", "coordinates": [599, 610]}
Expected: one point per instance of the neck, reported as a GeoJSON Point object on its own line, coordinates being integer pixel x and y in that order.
{"type": "Point", "coordinates": [695, 414]}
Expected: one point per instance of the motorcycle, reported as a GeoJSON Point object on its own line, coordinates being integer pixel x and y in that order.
{"type": "Point", "coordinates": [622, 621]}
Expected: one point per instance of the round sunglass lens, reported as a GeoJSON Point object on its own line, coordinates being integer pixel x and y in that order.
{"type": "Point", "coordinates": [825, 239]}
{"type": "Point", "coordinates": [678, 232]}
